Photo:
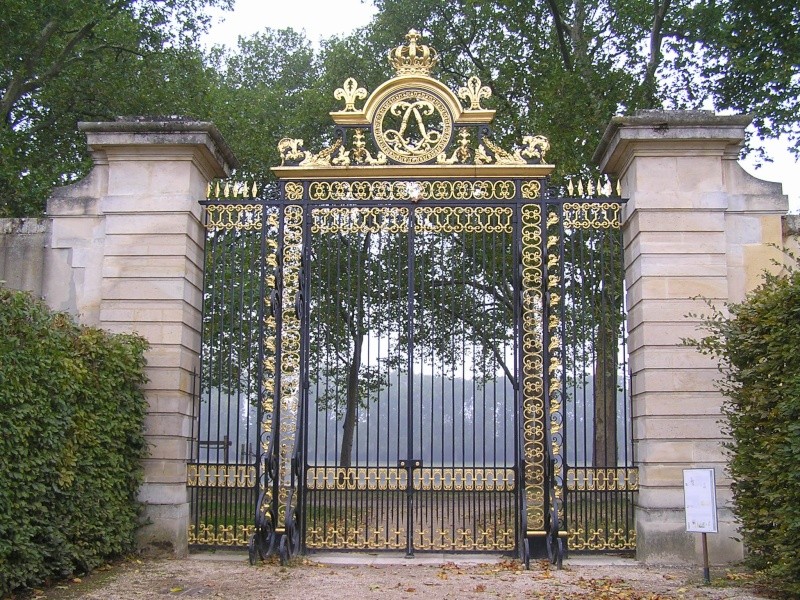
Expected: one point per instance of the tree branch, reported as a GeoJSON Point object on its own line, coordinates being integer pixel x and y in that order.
{"type": "Point", "coordinates": [561, 30]}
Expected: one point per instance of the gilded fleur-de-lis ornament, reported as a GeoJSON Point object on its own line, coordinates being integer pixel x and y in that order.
{"type": "Point", "coordinates": [350, 92]}
{"type": "Point", "coordinates": [474, 92]}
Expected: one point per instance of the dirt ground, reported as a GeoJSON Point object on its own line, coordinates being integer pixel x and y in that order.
{"type": "Point", "coordinates": [230, 576]}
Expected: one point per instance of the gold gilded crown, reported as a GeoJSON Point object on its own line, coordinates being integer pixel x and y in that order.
{"type": "Point", "coordinates": [413, 58]}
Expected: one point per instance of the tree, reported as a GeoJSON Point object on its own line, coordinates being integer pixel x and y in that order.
{"type": "Point", "coordinates": [757, 74]}
{"type": "Point", "coordinates": [61, 62]}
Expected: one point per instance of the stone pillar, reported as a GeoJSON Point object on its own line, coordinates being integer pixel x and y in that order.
{"type": "Point", "coordinates": [126, 254]}
{"type": "Point", "coordinates": [696, 224]}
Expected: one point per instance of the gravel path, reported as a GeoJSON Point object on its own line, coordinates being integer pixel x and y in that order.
{"type": "Point", "coordinates": [230, 576]}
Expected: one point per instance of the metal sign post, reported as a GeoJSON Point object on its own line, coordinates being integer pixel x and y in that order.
{"type": "Point", "coordinates": [700, 501]}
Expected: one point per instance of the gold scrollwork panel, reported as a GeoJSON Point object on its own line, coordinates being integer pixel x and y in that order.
{"type": "Point", "coordinates": [344, 220]}
{"type": "Point", "coordinates": [290, 354]}
{"type": "Point", "coordinates": [358, 478]}
{"type": "Point", "coordinates": [554, 351]}
{"type": "Point", "coordinates": [463, 479]}
{"type": "Point", "coordinates": [533, 405]}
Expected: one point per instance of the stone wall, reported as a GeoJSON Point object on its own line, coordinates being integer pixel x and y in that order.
{"type": "Point", "coordinates": [696, 227]}
{"type": "Point", "coordinates": [22, 244]}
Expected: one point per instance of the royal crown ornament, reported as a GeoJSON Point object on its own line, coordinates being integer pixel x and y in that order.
{"type": "Point", "coordinates": [413, 58]}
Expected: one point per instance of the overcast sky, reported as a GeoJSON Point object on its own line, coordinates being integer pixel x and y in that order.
{"type": "Point", "coordinates": [324, 18]}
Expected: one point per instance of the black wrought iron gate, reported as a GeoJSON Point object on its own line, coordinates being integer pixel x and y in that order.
{"type": "Point", "coordinates": [410, 415]}
{"type": "Point", "coordinates": [410, 349]}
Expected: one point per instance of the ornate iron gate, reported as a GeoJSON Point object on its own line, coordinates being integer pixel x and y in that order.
{"type": "Point", "coordinates": [422, 344]}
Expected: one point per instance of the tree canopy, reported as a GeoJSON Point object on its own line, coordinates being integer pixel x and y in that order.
{"type": "Point", "coordinates": [61, 62]}
{"type": "Point", "coordinates": [559, 68]}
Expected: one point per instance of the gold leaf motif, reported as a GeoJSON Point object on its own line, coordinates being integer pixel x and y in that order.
{"type": "Point", "coordinates": [294, 191]}
{"type": "Point", "coordinates": [323, 159]}
{"type": "Point", "coordinates": [290, 150]}
{"type": "Point", "coordinates": [535, 147]}
{"type": "Point", "coordinates": [503, 157]}
{"type": "Point", "coordinates": [531, 189]}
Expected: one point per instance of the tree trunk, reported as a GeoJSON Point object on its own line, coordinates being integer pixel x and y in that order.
{"type": "Point", "coordinates": [605, 395]}
{"type": "Point", "coordinates": [351, 409]}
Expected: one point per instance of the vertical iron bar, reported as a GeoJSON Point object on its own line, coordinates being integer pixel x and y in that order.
{"type": "Point", "coordinates": [410, 408]}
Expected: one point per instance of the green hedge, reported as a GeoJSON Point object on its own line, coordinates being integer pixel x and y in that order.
{"type": "Point", "coordinates": [758, 342]}
{"type": "Point", "coordinates": [71, 442]}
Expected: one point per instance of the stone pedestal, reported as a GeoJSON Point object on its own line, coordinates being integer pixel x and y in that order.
{"type": "Point", "coordinates": [696, 226]}
{"type": "Point", "coordinates": [126, 254]}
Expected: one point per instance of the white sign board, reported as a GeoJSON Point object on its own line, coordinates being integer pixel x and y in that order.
{"type": "Point", "coordinates": [700, 500]}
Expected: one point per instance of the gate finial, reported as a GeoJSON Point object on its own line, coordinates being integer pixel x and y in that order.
{"type": "Point", "coordinates": [414, 58]}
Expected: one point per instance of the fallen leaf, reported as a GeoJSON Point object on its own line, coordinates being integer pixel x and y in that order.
{"type": "Point", "coordinates": [176, 589]}
{"type": "Point", "coordinates": [480, 588]}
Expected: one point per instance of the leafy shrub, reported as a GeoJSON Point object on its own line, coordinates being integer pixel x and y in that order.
{"type": "Point", "coordinates": [758, 342]}
{"type": "Point", "coordinates": [71, 442]}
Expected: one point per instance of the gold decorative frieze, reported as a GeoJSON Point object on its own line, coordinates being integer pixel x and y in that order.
{"type": "Point", "coordinates": [483, 539]}
{"type": "Point", "coordinates": [220, 535]}
{"type": "Point", "coordinates": [501, 189]}
{"type": "Point", "coordinates": [592, 215]}
{"type": "Point", "coordinates": [341, 535]}
{"type": "Point", "coordinates": [603, 479]}
{"type": "Point", "coordinates": [239, 217]}
{"type": "Point", "coordinates": [455, 479]}
{"type": "Point", "coordinates": [464, 479]}
{"type": "Point", "coordinates": [229, 476]}
{"type": "Point", "coordinates": [600, 538]}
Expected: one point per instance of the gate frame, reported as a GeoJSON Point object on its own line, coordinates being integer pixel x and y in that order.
{"type": "Point", "coordinates": [412, 175]}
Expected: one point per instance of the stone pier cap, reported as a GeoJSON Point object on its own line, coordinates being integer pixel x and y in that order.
{"type": "Point", "coordinates": [163, 131]}
{"type": "Point", "coordinates": [718, 134]}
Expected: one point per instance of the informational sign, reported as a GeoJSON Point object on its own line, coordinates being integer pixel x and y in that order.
{"type": "Point", "coordinates": [700, 500]}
